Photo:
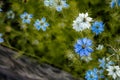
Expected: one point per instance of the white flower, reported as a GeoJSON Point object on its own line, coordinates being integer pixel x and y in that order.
{"type": "Point", "coordinates": [10, 14]}
{"type": "Point", "coordinates": [86, 58]}
{"type": "Point", "coordinates": [82, 22]}
{"type": "Point", "coordinates": [114, 71]}
{"type": "Point", "coordinates": [100, 47]}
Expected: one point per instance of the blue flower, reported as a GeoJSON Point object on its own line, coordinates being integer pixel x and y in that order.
{"type": "Point", "coordinates": [114, 2]}
{"type": "Point", "coordinates": [83, 47]}
{"type": "Point", "coordinates": [61, 4]}
{"type": "Point", "coordinates": [10, 14]}
{"type": "Point", "coordinates": [105, 63]}
{"type": "Point", "coordinates": [57, 4]}
{"type": "Point", "coordinates": [1, 39]}
{"type": "Point", "coordinates": [1, 10]}
{"type": "Point", "coordinates": [97, 27]}
{"type": "Point", "coordinates": [41, 24]}
{"type": "Point", "coordinates": [48, 2]}
{"type": "Point", "coordinates": [118, 2]}
{"type": "Point", "coordinates": [91, 74]}
{"type": "Point", "coordinates": [102, 63]}
{"type": "Point", "coordinates": [26, 18]}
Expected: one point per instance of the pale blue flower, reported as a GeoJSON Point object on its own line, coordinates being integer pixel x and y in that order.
{"type": "Point", "coordinates": [114, 2]}
{"type": "Point", "coordinates": [104, 63]}
{"type": "Point", "coordinates": [1, 10]}
{"type": "Point", "coordinates": [91, 75]}
{"type": "Point", "coordinates": [1, 34]}
{"type": "Point", "coordinates": [41, 24]}
{"type": "Point", "coordinates": [97, 27]}
{"type": "Point", "coordinates": [83, 47]}
{"type": "Point", "coordinates": [10, 14]}
{"type": "Point", "coordinates": [1, 39]}
{"type": "Point", "coordinates": [118, 2]}
{"type": "Point", "coordinates": [60, 4]}
{"type": "Point", "coordinates": [57, 4]}
{"type": "Point", "coordinates": [26, 18]}
{"type": "Point", "coordinates": [49, 2]}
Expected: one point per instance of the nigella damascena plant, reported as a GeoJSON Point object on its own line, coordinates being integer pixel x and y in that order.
{"type": "Point", "coordinates": [98, 73]}
{"type": "Point", "coordinates": [10, 14]}
{"type": "Point", "coordinates": [41, 24]}
{"type": "Point", "coordinates": [60, 4]}
{"type": "Point", "coordinates": [114, 2]}
{"type": "Point", "coordinates": [57, 4]}
{"type": "Point", "coordinates": [26, 18]}
{"type": "Point", "coordinates": [83, 47]}
{"type": "Point", "coordinates": [94, 74]}
{"type": "Point", "coordinates": [97, 27]}
{"type": "Point", "coordinates": [1, 39]}
{"type": "Point", "coordinates": [91, 74]}
{"type": "Point", "coordinates": [114, 71]}
{"type": "Point", "coordinates": [1, 10]}
{"type": "Point", "coordinates": [82, 22]}
{"type": "Point", "coordinates": [104, 63]}
{"type": "Point", "coordinates": [49, 2]}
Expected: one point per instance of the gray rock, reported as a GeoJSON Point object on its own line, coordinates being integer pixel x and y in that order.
{"type": "Point", "coordinates": [25, 69]}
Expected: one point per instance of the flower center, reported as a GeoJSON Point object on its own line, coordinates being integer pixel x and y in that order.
{"type": "Point", "coordinates": [91, 76]}
{"type": "Point", "coordinates": [97, 27]}
{"type": "Point", "coordinates": [114, 70]}
{"type": "Point", "coordinates": [26, 17]}
{"type": "Point", "coordinates": [10, 14]}
{"type": "Point", "coordinates": [42, 23]}
{"type": "Point", "coordinates": [84, 19]}
{"type": "Point", "coordinates": [83, 46]}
